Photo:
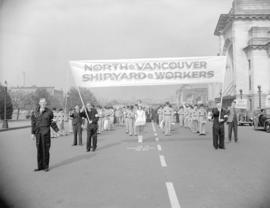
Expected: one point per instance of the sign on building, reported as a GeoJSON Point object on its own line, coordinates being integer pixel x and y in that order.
{"type": "Point", "coordinates": [241, 104]}
{"type": "Point", "coordinates": [267, 101]}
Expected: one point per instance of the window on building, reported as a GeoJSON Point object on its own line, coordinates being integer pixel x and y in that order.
{"type": "Point", "coordinates": [249, 82]}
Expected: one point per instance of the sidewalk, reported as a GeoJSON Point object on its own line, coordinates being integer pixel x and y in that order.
{"type": "Point", "coordinates": [14, 124]}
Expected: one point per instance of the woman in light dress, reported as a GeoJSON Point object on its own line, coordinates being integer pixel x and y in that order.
{"type": "Point", "coordinates": [140, 120]}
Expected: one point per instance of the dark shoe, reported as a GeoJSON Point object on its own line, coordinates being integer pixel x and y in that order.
{"type": "Point", "coordinates": [74, 145]}
{"type": "Point", "coordinates": [88, 150]}
{"type": "Point", "coordinates": [94, 149]}
{"type": "Point", "coordinates": [37, 169]}
{"type": "Point", "coordinates": [222, 148]}
{"type": "Point", "coordinates": [46, 169]}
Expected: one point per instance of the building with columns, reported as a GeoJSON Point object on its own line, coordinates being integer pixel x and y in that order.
{"type": "Point", "coordinates": [244, 37]}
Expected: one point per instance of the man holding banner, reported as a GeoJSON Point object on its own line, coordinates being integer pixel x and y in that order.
{"type": "Point", "coordinates": [91, 114]}
{"type": "Point", "coordinates": [219, 116]}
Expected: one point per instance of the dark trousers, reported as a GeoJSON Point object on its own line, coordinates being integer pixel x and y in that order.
{"type": "Point", "coordinates": [43, 143]}
{"type": "Point", "coordinates": [233, 127]}
{"type": "Point", "coordinates": [218, 136]}
{"type": "Point", "coordinates": [77, 130]}
{"type": "Point", "coordinates": [91, 134]}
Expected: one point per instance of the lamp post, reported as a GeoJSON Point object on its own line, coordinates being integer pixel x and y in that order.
{"type": "Point", "coordinates": [241, 93]}
{"type": "Point", "coordinates": [259, 92]}
{"type": "Point", "coordinates": [5, 122]}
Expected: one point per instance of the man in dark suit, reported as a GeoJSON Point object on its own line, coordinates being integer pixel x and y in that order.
{"type": "Point", "coordinates": [41, 121]}
{"type": "Point", "coordinates": [77, 125]}
{"type": "Point", "coordinates": [91, 115]}
{"type": "Point", "coordinates": [218, 126]}
{"type": "Point", "coordinates": [233, 123]}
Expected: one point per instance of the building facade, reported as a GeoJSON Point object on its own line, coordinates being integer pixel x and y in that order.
{"type": "Point", "coordinates": [244, 37]}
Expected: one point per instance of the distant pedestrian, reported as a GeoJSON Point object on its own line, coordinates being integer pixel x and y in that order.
{"type": "Point", "coordinates": [233, 123]}
{"type": "Point", "coordinates": [41, 121]}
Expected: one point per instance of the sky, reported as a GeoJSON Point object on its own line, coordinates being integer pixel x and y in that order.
{"type": "Point", "coordinates": [38, 38]}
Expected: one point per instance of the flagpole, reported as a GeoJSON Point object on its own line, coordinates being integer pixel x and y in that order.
{"type": "Point", "coordinates": [82, 100]}
{"type": "Point", "coordinates": [83, 104]}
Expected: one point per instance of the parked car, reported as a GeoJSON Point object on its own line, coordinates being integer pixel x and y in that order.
{"type": "Point", "coordinates": [262, 119]}
{"type": "Point", "coordinates": [245, 118]}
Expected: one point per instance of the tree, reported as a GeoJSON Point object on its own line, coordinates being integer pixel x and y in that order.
{"type": "Point", "coordinates": [8, 104]}
{"type": "Point", "coordinates": [73, 98]}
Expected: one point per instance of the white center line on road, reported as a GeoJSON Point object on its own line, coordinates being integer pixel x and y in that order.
{"type": "Point", "coordinates": [159, 147]}
{"type": "Point", "coordinates": [162, 161]}
{"type": "Point", "coordinates": [172, 195]}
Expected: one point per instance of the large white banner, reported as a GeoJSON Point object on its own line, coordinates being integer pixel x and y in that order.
{"type": "Point", "coordinates": [150, 71]}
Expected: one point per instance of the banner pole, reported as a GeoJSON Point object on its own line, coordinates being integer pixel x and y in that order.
{"type": "Point", "coordinates": [221, 98]}
{"type": "Point", "coordinates": [82, 101]}
{"type": "Point", "coordinates": [83, 104]}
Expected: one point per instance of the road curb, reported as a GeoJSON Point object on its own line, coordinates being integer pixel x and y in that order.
{"type": "Point", "coordinates": [14, 128]}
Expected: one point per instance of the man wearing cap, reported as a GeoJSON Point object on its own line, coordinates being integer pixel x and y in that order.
{"type": "Point", "coordinates": [233, 123]}
{"type": "Point", "coordinates": [41, 121]}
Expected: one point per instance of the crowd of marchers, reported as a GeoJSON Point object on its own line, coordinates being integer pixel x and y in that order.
{"type": "Point", "coordinates": [47, 123]}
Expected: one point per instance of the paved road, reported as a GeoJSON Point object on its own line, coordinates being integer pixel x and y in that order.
{"type": "Point", "coordinates": [182, 170]}
{"type": "Point", "coordinates": [15, 124]}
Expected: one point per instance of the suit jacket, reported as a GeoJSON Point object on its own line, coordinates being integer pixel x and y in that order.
{"type": "Point", "coordinates": [77, 118]}
{"type": "Point", "coordinates": [92, 115]}
{"type": "Point", "coordinates": [215, 116]}
{"type": "Point", "coordinates": [41, 122]}
{"type": "Point", "coordinates": [232, 117]}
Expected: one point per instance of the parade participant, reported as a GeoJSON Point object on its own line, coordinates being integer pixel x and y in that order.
{"type": "Point", "coordinates": [219, 117]}
{"type": "Point", "coordinates": [167, 116]}
{"type": "Point", "coordinates": [41, 121]}
{"type": "Point", "coordinates": [195, 119]}
{"type": "Point", "coordinates": [160, 116]}
{"type": "Point", "coordinates": [70, 125]}
{"type": "Point", "coordinates": [186, 114]}
{"type": "Point", "coordinates": [233, 123]}
{"type": "Point", "coordinates": [190, 113]}
{"type": "Point", "coordinates": [131, 120]}
{"type": "Point", "coordinates": [140, 120]}
{"type": "Point", "coordinates": [135, 127]}
{"type": "Point", "coordinates": [53, 133]}
{"type": "Point", "coordinates": [106, 119]}
{"type": "Point", "coordinates": [91, 115]}
{"type": "Point", "coordinates": [77, 125]}
{"type": "Point", "coordinates": [100, 120]}
{"type": "Point", "coordinates": [181, 113]}
{"type": "Point", "coordinates": [202, 120]}
{"type": "Point", "coordinates": [125, 114]}
{"type": "Point", "coordinates": [111, 117]}
{"type": "Point", "coordinates": [61, 121]}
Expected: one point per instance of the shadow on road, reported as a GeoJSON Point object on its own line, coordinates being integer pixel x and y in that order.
{"type": "Point", "coordinates": [85, 156]}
